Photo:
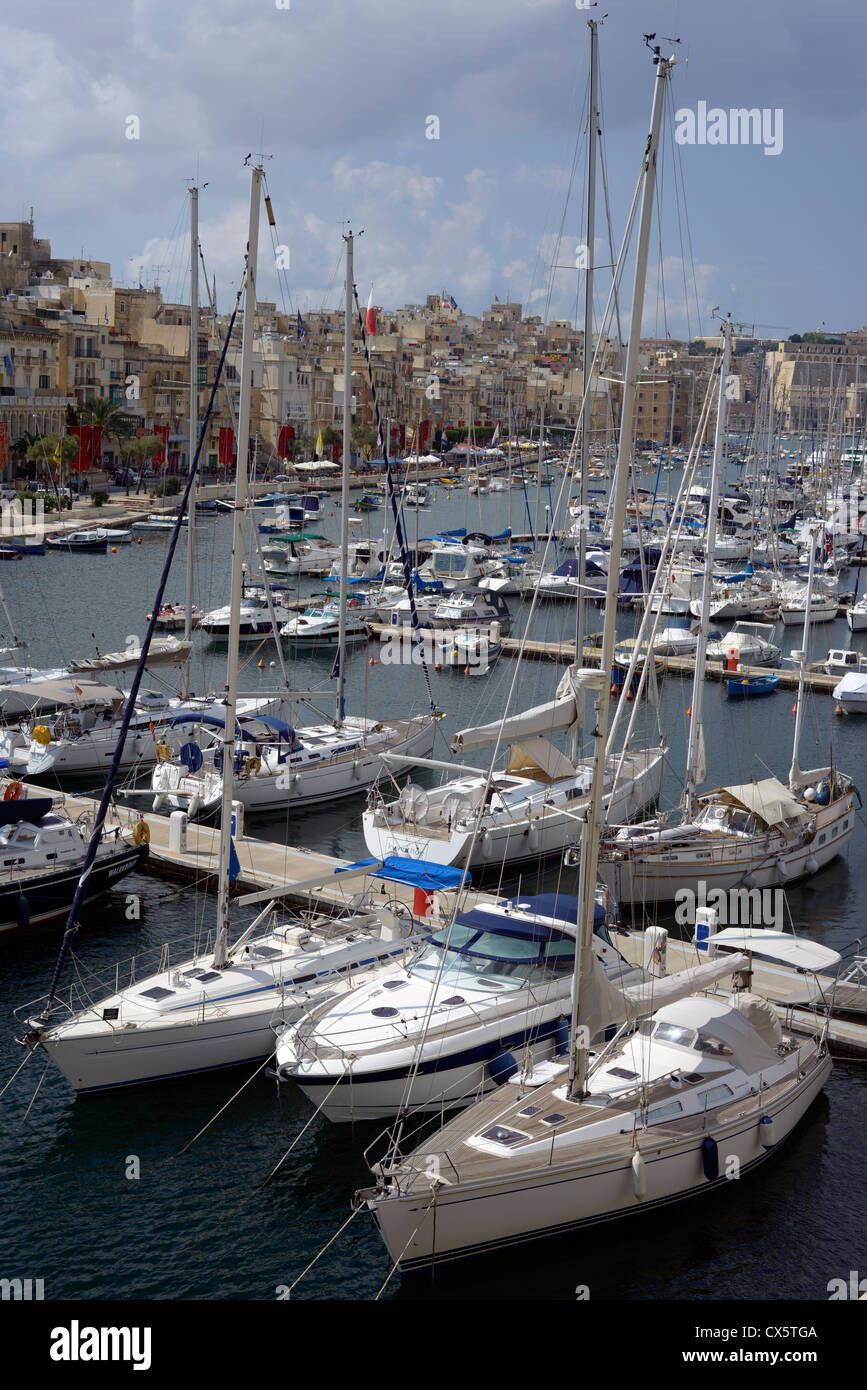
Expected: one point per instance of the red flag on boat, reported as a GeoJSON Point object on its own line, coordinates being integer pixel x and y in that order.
{"type": "Point", "coordinates": [370, 317]}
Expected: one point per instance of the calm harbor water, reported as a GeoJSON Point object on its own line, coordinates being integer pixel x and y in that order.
{"type": "Point", "coordinates": [195, 1226]}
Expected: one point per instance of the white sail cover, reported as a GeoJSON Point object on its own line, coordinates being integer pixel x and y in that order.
{"type": "Point", "coordinates": [602, 1003]}
{"type": "Point", "coordinates": [566, 709]}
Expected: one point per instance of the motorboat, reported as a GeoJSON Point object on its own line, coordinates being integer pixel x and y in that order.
{"type": "Point", "coordinates": [446, 1027]}
{"type": "Point", "coordinates": [42, 853]}
{"type": "Point", "coordinates": [747, 644]}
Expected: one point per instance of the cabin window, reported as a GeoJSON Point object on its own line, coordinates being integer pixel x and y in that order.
{"type": "Point", "coordinates": [670, 1111]}
{"type": "Point", "coordinates": [712, 1047]}
{"type": "Point", "coordinates": [717, 1095]}
{"type": "Point", "coordinates": [673, 1033]}
{"type": "Point", "coordinates": [157, 993]}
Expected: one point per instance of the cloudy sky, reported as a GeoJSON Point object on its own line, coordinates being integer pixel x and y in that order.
{"type": "Point", "coordinates": [340, 92]}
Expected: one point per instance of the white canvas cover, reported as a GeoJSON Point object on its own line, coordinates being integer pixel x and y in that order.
{"type": "Point", "coordinates": [777, 945]}
{"type": "Point", "coordinates": [853, 686]}
{"type": "Point", "coordinates": [69, 692]}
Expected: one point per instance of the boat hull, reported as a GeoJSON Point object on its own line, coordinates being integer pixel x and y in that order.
{"type": "Point", "coordinates": [50, 895]}
{"type": "Point", "coordinates": [476, 1218]}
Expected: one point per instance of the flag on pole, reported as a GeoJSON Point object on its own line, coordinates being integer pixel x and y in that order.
{"type": "Point", "coordinates": [370, 316]}
{"type": "Point", "coordinates": [7, 364]}
{"type": "Point", "coordinates": [234, 862]}
{"type": "Point", "coordinates": [495, 436]}
{"type": "Point", "coordinates": [319, 444]}
{"type": "Point", "coordinates": [105, 312]}
{"type": "Point", "coordinates": [299, 331]}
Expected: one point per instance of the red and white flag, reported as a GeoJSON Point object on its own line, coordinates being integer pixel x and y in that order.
{"type": "Point", "coordinates": [370, 317]}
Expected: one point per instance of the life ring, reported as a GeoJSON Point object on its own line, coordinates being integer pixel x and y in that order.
{"type": "Point", "coordinates": [141, 835]}
{"type": "Point", "coordinates": [13, 791]}
{"type": "Point", "coordinates": [41, 734]}
{"type": "Point", "coordinates": [253, 765]}
{"type": "Point", "coordinates": [354, 603]}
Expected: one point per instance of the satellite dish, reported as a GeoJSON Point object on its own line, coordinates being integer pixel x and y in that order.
{"type": "Point", "coordinates": [413, 802]}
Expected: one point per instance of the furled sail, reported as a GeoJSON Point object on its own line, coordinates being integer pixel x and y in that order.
{"type": "Point", "coordinates": [566, 709]}
{"type": "Point", "coordinates": [602, 1003]}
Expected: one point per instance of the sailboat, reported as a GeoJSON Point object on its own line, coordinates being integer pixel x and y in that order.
{"type": "Point", "coordinates": [302, 766]}
{"type": "Point", "coordinates": [759, 834]}
{"type": "Point", "coordinates": [660, 1111]}
{"type": "Point", "coordinates": [215, 1008]}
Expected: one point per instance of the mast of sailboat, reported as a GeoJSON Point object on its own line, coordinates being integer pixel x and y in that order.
{"type": "Point", "coordinates": [588, 359]}
{"type": "Point", "coordinates": [794, 770]}
{"type": "Point", "coordinates": [194, 397]}
{"type": "Point", "coordinates": [344, 481]}
{"type": "Point", "coordinates": [695, 759]}
{"type": "Point", "coordinates": [579, 1046]}
{"type": "Point", "coordinates": [238, 519]}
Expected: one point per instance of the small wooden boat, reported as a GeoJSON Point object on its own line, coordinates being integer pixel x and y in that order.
{"type": "Point", "coordinates": [172, 617]}
{"type": "Point", "coordinates": [7, 554]}
{"type": "Point", "coordinates": [745, 687]}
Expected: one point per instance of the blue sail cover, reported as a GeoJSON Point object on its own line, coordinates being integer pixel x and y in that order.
{"type": "Point", "coordinates": [415, 873]}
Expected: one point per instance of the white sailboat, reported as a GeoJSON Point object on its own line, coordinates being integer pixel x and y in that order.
{"type": "Point", "coordinates": [214, 1009]}
{"type": "Point", "coordinates": [646, 1120]}
{"type": "Point", "coordinates": [284, 765]}
{"type": "Point", "coordinates": [757, 834]}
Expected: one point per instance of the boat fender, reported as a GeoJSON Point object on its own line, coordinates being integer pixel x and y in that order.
{"type": "Point", "coordinates": [823, 794]}
{"type": "Point", "coordinates": [501, 1066]}
{"type": "Point", "coordinates": [561, 1036]}
{"type": "Point", "coordinates": [298, 783]}
{"type": "Point", "coordinates": [710, 1158]}
{"type": "Point", "coordinates": [782, 867]}
{"type": "Point", "coordinates": [811, 864]}
{"type": "Point", "coordinates": [487, 844]}
{"type": "Point", "coordinates": [356, 769]}
{"type": "Point", "coordinates": [533, 835]}
{"type": "Point", "coordinates": [159, 801]}
{"type": "Point", "coordinates": [22, 912]}
{"type": "Point", "coordinates": [41, 734]}
{"type": "Point", "coordinates": [639, 1176]}
{"type": "Point", "coordinates": [13, 791]}
{"type": "Point", "coordinates": [766, 1132]}
{"type": "Point", "coordinates": [141, 835]}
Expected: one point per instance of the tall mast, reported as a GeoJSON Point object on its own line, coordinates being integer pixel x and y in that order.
{"type": "Point", "coordinates": [588, 357]}
{"type": "Point", "coordinates": [794, 770]}
{"type": "Point", "coordinates": [344, 485]}
{"type": "Point", "coordinates": [222, 941]}
{"type": "Point", "coordinates": [695, 771]}
{"type": "Point", "coordinates": [578, 1060]}
{"type": "Point", "coordinates": [194, 397]}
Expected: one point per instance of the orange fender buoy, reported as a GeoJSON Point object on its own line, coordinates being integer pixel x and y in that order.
{"type": "Point", "coordinates": [838, 709]}
{"type": "Point", "coordinates": [689, 713]}
{"type": "Point", "coordinates": [114, 550]}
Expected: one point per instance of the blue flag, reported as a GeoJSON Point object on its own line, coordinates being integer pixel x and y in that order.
{"type": "Point", "coordinates": [234, 863]}
{"type": "Point", "coordinates": [300, 328]}
{"type": "Point", "coordinates": [7, 363]}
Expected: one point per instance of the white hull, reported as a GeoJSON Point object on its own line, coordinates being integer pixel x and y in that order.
{"type": "Point", "coordinates": [476, 1218]}
{"type": "Point", "coordinates": [524, 837]}
{"type": "Point", "coordinates": [291, 785]}
{"type": "Point", "coordinates": [723, 867]}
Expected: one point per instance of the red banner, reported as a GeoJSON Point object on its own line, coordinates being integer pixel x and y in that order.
{"type": "Point", "coordinates": [4, 446]}
{"type": "Point", "coordinates": [162, 431]}
{"type": "Point", "coordinates": [287, 434]}
{"type": "Point", "coordinates": [89, 447]}
{"type": "Point", "coordinates": [226, 447]}
{"type": "Point", "coordinates": [423, 433]}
